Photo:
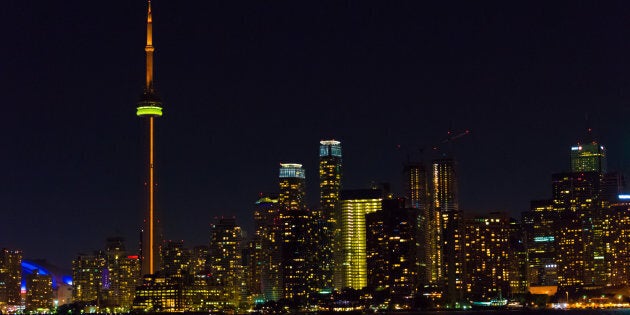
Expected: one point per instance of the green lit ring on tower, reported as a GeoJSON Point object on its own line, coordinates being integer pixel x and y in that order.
{"type": "Point", "coordinates": [155, 111]}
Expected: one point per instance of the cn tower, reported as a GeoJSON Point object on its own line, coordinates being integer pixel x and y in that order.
{"type": "Point", "coordinates": [149, 108]}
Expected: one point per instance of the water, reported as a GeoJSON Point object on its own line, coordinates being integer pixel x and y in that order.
{"type": "Point", "coordinates": [533, 312]}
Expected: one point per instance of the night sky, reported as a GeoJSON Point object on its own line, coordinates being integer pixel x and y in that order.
{"type": "Point", "coordinates": [247, 85]}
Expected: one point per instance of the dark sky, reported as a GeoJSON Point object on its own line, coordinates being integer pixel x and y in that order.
{"type": "Point", "coordinates": [247, 85]}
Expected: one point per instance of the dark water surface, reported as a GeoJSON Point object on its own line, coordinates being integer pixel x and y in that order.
{"type": "Point", "coordinates": [533, 312]}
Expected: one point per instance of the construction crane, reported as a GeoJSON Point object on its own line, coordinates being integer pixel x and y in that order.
{"type": "Point", "coordinates": [451, 136]}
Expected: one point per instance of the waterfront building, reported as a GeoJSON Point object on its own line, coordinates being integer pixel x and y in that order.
{"type": "Point", "coordinates": [418, 196]}
{"type": "Point", "coordinates": [327, 218]}
{"type": "Point", "coordinates": [393, 251]}
{"type": "Point", "coordinates": [39, 293]}
{"type": "Point", "coordinates": [10, 279]}
{"type": "Point", "coordinates": [488, 256]}
{"type": "Point", "coordinates": [539, 225]}
{"type": "Point", "coordinates": [120, 277]}
{"type": "Point", "coordinates": [298, 261]}
{"type": "Point", "coordinates": [267, 238]}
{"type": "Point", "coordinates": [175, 259]}
{"type": "Point", "coordinates": [355, 204]}
{"type": "Point", "coordinates": [87, 278]}
{"type": "Point", "coordinates": [225, 261]}
{"type": "Point", "coordinates": [449, 234]}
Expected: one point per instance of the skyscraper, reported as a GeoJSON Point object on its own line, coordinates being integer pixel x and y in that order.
{"type": "Point", "coordinates": [393, 252]}
{"type": "Point", "coordinates": [330, 173]}
{"type": "Point", "coordinates": [292, 186]}
{"type": "Point", "coordinates": [10, 277]}
{"type": "Point", "coordinates": [150, 107]}
{"type": "Point", "coordinates": [588, 157]}
{"type": "Point", "coordinates": [267, 237]}
{"type": "Point", "coordinates": [418, 196]}
{"type": "Point", "coordinates": [487, 256]}
{"type": "Point", "coordinates": [226, 260]}
{"type": "Point", "coordinates": [449, 233]}
{"type": "Point", "coordinates": [355, 204]}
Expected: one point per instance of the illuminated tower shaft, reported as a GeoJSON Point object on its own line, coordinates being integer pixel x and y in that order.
{"type": "Point", "coordinates": [150, 107]}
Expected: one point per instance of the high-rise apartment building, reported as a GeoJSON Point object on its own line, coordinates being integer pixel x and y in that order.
{"type": "Point", "coordinates": [268, 246]}
{"type": "Point", "coordinates": [580, 256]}
{"type": "Point", "coordinates": [393, 251]}
{"type": "Point", "coordinates": [539, 225]}
{"type": "Point", "coordinates": [87, 277]}
{"type": "Point", "coordinates": [330, 173]}
{"type": "Point", "coordinates": [10, 278]}
{"type": "Point", "coordinates": [225, 260]}
{"type": "Point", "coordinates": [175, 259]}
{"type": "Point", "coordinates": [39, 293]}
{"type": "Point", "coordinates": [588, 157]}
{"type": "Point", "coordinates": [418, 196]}
{"type": "Point", "coordinates": [355, 204]}
{"type": "Point", "coordinates": [488, 257]}
{"type": "Point", "coordinates": [121, 276]}
{"type": "Point", "coordinates": [292, 186]}
{"type": "Point", "coordinates": [298, 255]}
{"type": "Point", "coordinates": [449, 231]}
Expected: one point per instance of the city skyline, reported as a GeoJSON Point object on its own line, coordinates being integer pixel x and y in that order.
{"type": "Point", "coordinates": [74, 159]}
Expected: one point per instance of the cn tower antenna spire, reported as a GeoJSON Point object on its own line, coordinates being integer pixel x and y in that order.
{"type": "Point", "coordinates": [149, 108]}
{"type": "Point", "coordinates": [149, 49]}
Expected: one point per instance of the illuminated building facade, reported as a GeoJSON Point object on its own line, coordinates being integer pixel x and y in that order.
{"type": "Point", "coordinates": [330, 173]}
{"type": "Point", "coordinates": [87, 278]}
{"type": "Point", "coordinates": [392, 251]}
{"type": "Point", "coordinates": [519, 283]}
{"type": "Point", "coordinates": [39, 293]}
{"type": "Point", "coordinates": [588, 157]}
{"type": "Point", "coordinates": [149, 108]}
{"type": "Point", "coordinates": [175, 259]}
{"type": "Point", "coordinates": [292, 186]}
{"type": "Point", "coordinates": [157, 294]}
{"type": "Point", "coordinates": [418, 196]}
{"type": "Point", "coordinates": [355, 205]}
{"type": "Point", "coordinates": [226, 261]}
{"type": "Point", "coordinates": [10, 278]}
{"type": "Point", "coordinates": [616, 224]}
{"type": "Point", "coordinates": [268, 247]}
{"type": "Point", "coordinates": [540, 225]}
{"type": "Point", "coordinates": [121, 276]}
{"type": "Point", "coordinates": [488, 257]}
{"type": "Point", "coordinates": [580, 256]}
{"type": "Point", "coordinates": [298, 255]}
{"type": "Point", "coordinates": [449, 231]}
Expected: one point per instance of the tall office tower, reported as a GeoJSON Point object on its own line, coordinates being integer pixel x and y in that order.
{"type": "Point", "coordinates": [518, 261]}
{"type": "Point", "coordinates": [298, 260]}
{"type": "Point", "coordinates": [330, 174]}
{"type": "Point", "coordinates": [149, 108]}
{"type": "Point", "coordinates": [580, 256]}
{"type": "Point", "coordinates": [487, 257]}
{"type": "Point", "coordinates": [393, 251]}
{"type": "Point", "coordinates": [355, 204]}
{"type": "Point", "coordinates": [10, 277]}
{"type": "Point", "coordinates": [418, 196]}
{"type": "Point", "coordinates": [225, 260]}
{"type": "Point", "coordinates": [121, 276]}
{"type": "Point", "coordinates": [175, 259]}
{"type": "Point", "coordinates": [588, 157]}
{"type": "Point", "coordinates": [39, 293]}
{"type": "Point", "coordinates": [449, 233]}
{"type": "Point", "coordinates": [617, 240]}
{"type": "Point", "coordinates": [87, 277]}
{"type": "Point", "coordinates": [292, 186]}
{"type": "Point", "coordinates": [266, 220]}
{"type": "Point", "coordinates": [539, 225]}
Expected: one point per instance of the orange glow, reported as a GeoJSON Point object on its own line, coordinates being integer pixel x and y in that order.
{"type": "Point", "coordinates": [151, 195]}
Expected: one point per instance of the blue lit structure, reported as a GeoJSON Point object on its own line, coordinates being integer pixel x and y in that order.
{"type": "Point", "coordinates": [58, 275]}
